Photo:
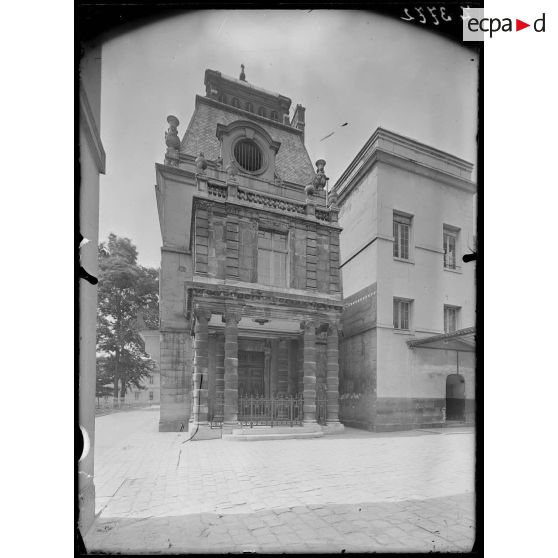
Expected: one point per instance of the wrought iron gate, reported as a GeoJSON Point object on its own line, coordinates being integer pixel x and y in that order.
{"type": "Point", "coordinates": [258, 410]}
{"type": "Point", "coordinates": [279, 410]}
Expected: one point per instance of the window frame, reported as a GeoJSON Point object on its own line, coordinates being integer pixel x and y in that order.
{"type": "Point", "coordinates": [151, 396]}
{"type": "Point", "coordinates": [261, 112]}
{"type": "Point", "coordinates": [457, 310]}
{"type": "Point", "coordinates": [397, 324]}
{"type": "Point", "coordinates": [286, 260]}
{"type": "Point", "coordinates": [261, 153]}
{"type": "Point", "coordinates": [451, 232]}
{"type": "Point", "coordinates": [235, 102]}
{"type": "Point", "coordinates": [249, 107]}
{"type": "Point", "coordinates": [400, 222]}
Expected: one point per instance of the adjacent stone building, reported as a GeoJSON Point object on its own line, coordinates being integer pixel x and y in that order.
{"type": "Point", "coordinates": [407, 351]}
{"type": "Point", "coordinates": [250, 297]}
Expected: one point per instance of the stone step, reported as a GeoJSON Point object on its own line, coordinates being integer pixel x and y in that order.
{"type": "Point", "coordinates": [259, 430]}
{"type": "Point", "coordinates": [257, 436]}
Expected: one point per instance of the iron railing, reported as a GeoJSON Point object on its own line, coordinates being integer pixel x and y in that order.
{"type": "Point", "coordinates": [258, 410]}
{"type": "Point", "coordinates": [254, 410]}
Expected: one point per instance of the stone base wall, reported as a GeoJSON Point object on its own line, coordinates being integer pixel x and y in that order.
{"type": "Point", "coordinates": [398, 413]}
{"type": "Point", "coordinates": [176, 381]}
{"type": "Point", "coordinates": [357, 380]}
{"type": "Point", "coordinates": [358, 413]}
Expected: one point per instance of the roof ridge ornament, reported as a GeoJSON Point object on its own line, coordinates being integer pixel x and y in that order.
{"type": "Point", "coordinates": [242, 74]}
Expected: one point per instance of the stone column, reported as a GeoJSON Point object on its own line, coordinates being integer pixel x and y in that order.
{"type": "Point", "coordinates": [309, 369]}
{"type": "Point", "coordinates": [200, 376]}
{"type": "Point", "coordinates": [220, 373]}
{"type": "Point", "coordinates": [232, 317]}
{"type": "Point", "coordinates": [333, 374]}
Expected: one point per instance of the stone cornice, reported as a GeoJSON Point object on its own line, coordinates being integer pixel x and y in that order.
{"type": "Point", "coordinates": [89, 126]}
{"type": "Point", "coordinates": [175, 172]}
{"type": "Point", "coordinates": [223, 294]}
{"type": "Point", "coordinates": [377, 149]}
{"type": "Point", "coordinates": [232, 206]}
{"type": "Point", "coordinates": [247, 114]}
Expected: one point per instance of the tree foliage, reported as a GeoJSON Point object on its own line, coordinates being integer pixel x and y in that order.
{"type": "Point", "coordinates": [126, 290]}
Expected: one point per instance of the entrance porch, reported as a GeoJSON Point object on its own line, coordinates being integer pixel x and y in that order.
{"type": "Point", "coordinates": [263, 366]}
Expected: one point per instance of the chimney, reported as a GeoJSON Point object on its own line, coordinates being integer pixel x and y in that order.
{"type": "Point", "coordinates": [298, 119]}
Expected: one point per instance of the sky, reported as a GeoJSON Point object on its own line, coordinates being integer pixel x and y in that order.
{"type": "Point", "coordinates": [343, 66]}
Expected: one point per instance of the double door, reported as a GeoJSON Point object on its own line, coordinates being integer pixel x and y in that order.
{"type": "Point", "coordinates": [251, 365]}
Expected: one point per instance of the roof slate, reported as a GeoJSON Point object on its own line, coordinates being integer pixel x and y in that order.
{"type": "Point", "coordinates": [292, 160]}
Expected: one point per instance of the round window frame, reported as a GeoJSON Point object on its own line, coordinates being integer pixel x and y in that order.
{"type": "Point", "coordinates": [263, 150]}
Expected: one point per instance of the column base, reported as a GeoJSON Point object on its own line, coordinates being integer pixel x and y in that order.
{"type": "Point", "coordinates": [202, 431]}
{"type": "Point", "coordinates": [228, 427]}
{"type": "Point", "coordinates": [333, 428]}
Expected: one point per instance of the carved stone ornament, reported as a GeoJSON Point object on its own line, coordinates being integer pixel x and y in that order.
{"type": "Point", "coordinates": [171, 135]}
{"type": "Point", "coordinates": [232, 171]}
{"type": "Point", "coordinates": [320, 179]}
{"type": "Point", "coordinates": [201, 162]}
{"type": "Point", "coordinates": [332, 198]}
{"type": "Point", "coordinates": [309, 189]}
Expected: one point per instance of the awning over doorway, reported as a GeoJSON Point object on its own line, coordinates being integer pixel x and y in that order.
{"type": "Point", "coordinates": [460, 340]}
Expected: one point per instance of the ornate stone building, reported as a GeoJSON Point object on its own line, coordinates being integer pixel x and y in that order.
{"type": "Point", "coordinates": [250, 298]}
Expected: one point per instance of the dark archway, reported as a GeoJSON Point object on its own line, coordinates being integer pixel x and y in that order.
{"type": "Point", "coordinates": [455, 397]}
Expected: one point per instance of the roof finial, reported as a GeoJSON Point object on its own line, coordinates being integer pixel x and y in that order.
{"type": "Point", "coordinates": [242, 74]}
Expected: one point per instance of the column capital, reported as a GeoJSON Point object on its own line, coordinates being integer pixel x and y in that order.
{"type": "Point", "coordinates": [232, 314]}
{"type": "Point", "coordinates": [202, 313]}
{"type": "Point", "coordinates": [307, 325]}
{"type": "Point", "coordinates": [333, 328]}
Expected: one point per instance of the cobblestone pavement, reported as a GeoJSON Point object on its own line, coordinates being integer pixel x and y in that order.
{"type": "Point", "coordinates": [359, 491]}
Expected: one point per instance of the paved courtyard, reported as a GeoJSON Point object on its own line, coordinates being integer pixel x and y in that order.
{"type": "Point", "coordinates": [357, 492]}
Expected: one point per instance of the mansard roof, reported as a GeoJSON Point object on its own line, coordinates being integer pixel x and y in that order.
{"type": "Point", "coordinates": [293, 163]}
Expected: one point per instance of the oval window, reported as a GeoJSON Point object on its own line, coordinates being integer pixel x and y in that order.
{"type": "Point", "coordinates": [248, 155]}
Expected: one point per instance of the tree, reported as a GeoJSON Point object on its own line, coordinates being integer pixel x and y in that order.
{"type": "Point", "coordinates": [125, 290]}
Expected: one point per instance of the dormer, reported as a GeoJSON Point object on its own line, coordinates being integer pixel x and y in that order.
{"type": "Point", "coordinates": [249, 148]}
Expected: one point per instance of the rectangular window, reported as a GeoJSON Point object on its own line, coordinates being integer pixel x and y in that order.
{"type": "Point", "coordinates": [451, 316]}
{"type": "Point", "coordinates": [150, 379]}
{"type": "Point", "coordinates": [136, 395]}
{"type": "Point", "coordinates": [272, 258]}
{"type": "Point", "coordinates": [150, 396]}
{"type": "Point", "coordinates": [450, 248]}
{"type": "Point", "coordinates": [401, 236]}
{"type": "Point", "coordinates": [401, 313]}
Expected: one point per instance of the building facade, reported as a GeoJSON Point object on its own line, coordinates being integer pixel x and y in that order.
{"type": "Point", "coordinates": [407, 351]}
{"type": "Point", "coordinates": [92, 164]}
{"type": "Point", "coordinates": [250, 297]}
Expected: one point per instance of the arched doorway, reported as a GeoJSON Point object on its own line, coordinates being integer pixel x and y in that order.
{"type": "Point", "coordinates": [455, 397]}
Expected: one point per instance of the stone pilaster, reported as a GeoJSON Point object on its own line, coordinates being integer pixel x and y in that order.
{"type": "Point", "coordinates": [232, 317]}
{"type": "Point", "coordinates": [333, 375]}
{"type": "Point", "coordinates": [309, 368]}
{"type": "Point", "coordinates": [220, 368]}
{"type": "Point", "coordinates": [199, 427]}
{"type": "Point", "coordinates": [200, 376]}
